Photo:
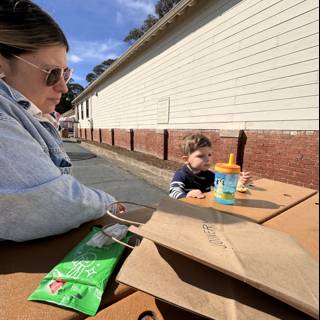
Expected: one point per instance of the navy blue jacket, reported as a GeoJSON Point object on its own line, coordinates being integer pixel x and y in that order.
{"type": "Point", "coordinates": [184, 180]}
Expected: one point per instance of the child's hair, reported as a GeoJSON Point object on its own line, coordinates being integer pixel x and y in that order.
{"type": "Point", "coordinates": [193, 142]}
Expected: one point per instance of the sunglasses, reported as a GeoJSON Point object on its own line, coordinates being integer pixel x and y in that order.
{"type": "Point", "coordinates": [53, 75]}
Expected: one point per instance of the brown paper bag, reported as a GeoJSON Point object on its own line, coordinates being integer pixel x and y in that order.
{"type": "Point", "coordinates": [190, 285]}
{"type": "Point", "coordinates": [266, 259]}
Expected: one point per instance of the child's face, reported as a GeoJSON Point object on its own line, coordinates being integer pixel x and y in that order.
{"type": "Point", "coordinates": [201, 159]}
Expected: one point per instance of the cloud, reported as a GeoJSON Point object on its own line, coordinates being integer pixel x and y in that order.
{"type": "Point", "coordinates": [119, 18]}
{"type": "Point", "coordinates": [93, 51]}
{"type": "Point", "coordinates": [77, 78]}
{"type": "Point", "coordinates": [74, 58]}
{"type": "Point", "coordinates": [142, 6]}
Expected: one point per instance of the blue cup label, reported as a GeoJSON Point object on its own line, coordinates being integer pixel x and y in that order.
{"type": "Point", "coordinates": [225, 185]}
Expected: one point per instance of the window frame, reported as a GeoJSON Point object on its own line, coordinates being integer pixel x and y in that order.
{"type": "Point", "coordinates": [82, 111]}
{"type": "Point", "coordinates": [87, 109]}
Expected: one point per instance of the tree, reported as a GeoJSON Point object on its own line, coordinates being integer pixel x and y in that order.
{"type": "Point", "coordinates": [90, 77]}
{"type": "Point", "coordinates": [108, 63]}
{"type": "Point", "coordinates": [65, 103]}
{"type": "Point", "coordinates": [99, 69]}
{"type": "Point", "coordinates": [133, 36]}
{"type": "Point", "coordinates": [149, 22]}
{"type": "Point", "coordinates": [137, 33]}
{"type": "Point", "coordinates": [164, 6]}
{"type": "Point", "coordinates": [161, 8]}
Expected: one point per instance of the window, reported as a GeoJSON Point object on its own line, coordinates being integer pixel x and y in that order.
{"type": "Point", "coordinates": [82, 110]}
{"type": "Point", "coordinates": [87, 109]}
{"type": "Point", "coordinates": [78, 112]}
{"type": "Point", "coordinates": [163, 109]}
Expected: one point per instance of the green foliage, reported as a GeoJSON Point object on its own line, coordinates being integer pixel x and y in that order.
{"type": "Point", "coordinates": [107, 63]}
{"type": "Point", "coordinates": [148, 23]}
{"type": "Point", "coordinates": [65, 103]}
{"type": "Point", "coordinates": [133, 36]}
{"type": "Point", "coordinates": [164, 6]}
{"type": "Point", "coordinates": [90, 77]}
{"type": "Point", "coordinates": [161, 8]}
{"type": "Point", "coordinates": [137, 33]}
{"type": "Point", "coordinates": [99, 69]}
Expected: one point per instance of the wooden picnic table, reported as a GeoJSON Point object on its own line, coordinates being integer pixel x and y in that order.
{"type": "Point", "coordinates": [264, 200]}
{"type": "Point", "coordinates": [287, 208]}
{"type": "Point", "coordinates": [138, 304]}
{"type": "Point", "coordinates": [302, 223]}
{"type": "Point", "coordinates": [23, 265]}
{"type": "Point", "coordinates": [284, 207]}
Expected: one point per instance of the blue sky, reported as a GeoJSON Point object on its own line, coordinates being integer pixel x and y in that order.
{"type": "Point", "coordinates": [96, 28]}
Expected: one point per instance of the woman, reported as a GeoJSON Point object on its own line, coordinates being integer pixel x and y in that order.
{"type": "Point", "coordinates": [38, 195]}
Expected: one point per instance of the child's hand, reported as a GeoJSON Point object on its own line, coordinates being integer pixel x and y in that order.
{"type": "Point", "coordinates": [243, 180]}
{"type": "Point", "coordinates": [244, 177]}
{"type": "Point", "coordinates": [195, 194]}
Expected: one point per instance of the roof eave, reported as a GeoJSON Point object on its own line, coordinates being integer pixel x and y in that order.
{"type": "Point", "coordinates": [178, 10]}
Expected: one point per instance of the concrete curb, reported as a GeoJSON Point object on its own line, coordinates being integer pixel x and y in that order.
{"type": "Point", "coordinates": [158, 177]}
{"type": "Point", "coordinates": [73, 140]}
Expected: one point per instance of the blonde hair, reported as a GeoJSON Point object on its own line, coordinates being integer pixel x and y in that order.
{"type": "Point", "coordinates": [25, 27]}
{"type": "Point", "coordinates": [193, 142]}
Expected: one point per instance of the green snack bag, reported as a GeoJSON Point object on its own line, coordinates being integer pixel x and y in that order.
{"type": "Point", "coordinates": [79, 280]}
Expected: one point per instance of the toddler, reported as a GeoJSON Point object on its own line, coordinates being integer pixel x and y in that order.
{"type": "Point", "coordinates": [195, 177]}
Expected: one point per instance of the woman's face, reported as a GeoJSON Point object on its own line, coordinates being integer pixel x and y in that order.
{"type": "Point", "coordinates": [31, 82]}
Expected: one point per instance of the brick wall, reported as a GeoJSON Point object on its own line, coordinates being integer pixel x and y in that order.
{"type": "Point", "coordinates": [122, 138]}
{"type": "Point", "coordinates": [291, 157]}
{"type": "Point", "coordinates": [106, 136]}
{"type": "Point", "coordinates": [96, 135]}
{"type": "Point", "coordinates": [288, 156]}
{"type": "Point", "coordinates": [83, 134]}
{"type": "Point", "coordinates": [222, 144]}
{"type": "Point", "coordinates": [150, 142]}
{"type": "Point", "coordinates": [88, 134]}
{"type": "Point", "coordinates": [175, 138]}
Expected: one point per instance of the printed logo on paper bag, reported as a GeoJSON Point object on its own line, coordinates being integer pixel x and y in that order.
{"type": "Point", "coordinates": [210, 230]}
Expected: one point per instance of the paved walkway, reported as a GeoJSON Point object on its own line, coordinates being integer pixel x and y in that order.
{"type": "Point", "coordinates": [155, 175]}
{"type": "Point", "coordinates": [100, 173]}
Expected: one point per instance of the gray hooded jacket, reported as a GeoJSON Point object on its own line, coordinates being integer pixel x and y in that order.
{"type": "Point", "coordinates": [38, 195]}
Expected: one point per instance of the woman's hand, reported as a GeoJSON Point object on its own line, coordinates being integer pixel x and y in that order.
{"type": "Point", "coordinates": [121, 208]}
{"type": "Point", "coordinates": [195, 194]}
{"type": "Point", "coordinates": [117, 208]}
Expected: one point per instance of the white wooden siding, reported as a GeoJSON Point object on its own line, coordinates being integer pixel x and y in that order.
{"type": "Point", "coordinates": [228, 65]}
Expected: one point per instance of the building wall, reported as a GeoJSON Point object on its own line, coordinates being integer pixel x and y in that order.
{"type": "Point", "coordinates": [288, 156]}
{"type": "Point", "coordinates": [151, 142]}
{"type": "Point", "coordinates": [243, 72]}
{"type": "Point", "coordinates": [223, 143]}
{"type": "Point", "coordinates": [106, 136]}
{"type": "Point", "coordinates": [122, 138]}
{"type": "Point", "coordinates": [226, 65]}
{"type": "Point", "coordinates": [291, 157]}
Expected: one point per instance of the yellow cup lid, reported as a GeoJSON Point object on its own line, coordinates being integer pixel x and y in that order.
{"type": "Point", "coordinates": [229, 168]}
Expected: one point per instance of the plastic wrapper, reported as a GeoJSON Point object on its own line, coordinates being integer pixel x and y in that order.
{"type": "Point", "coordinates": [79, 280]}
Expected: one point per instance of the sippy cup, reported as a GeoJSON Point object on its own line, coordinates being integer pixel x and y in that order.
{"type": "Point", "coordinates": [225, 181]}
